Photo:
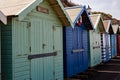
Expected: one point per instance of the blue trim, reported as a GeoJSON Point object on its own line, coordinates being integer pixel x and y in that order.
{"type": "Point", "coordinates": [79, 14]}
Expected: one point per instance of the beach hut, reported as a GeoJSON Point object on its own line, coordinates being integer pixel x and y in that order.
{"type": "Point", "coordinates": [113, 40]}
{"type": "Point", "coordinates": [95, 40]}
{"type": "Point", "coordinates": [106, 56]}
{"type": "Point", "coordinates": [75, 41]}
{"type": "Point", "coordinates": [32, 39]}
{"type": "Point", "coordinates": [118, 41]}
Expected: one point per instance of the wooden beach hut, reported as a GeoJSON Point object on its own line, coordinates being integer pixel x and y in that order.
{"type": "Point", "coordinates": [114, 41]}
{"type": "Point", "coordinates": [118, 41]}
{"type": "Point", "coordinates": [32, 39]}
{"type": "Point", "coordinates": [108, 27]}
{"type": "Point", "coordinates": [95, 40]}
{"type": "Point", "coordinates": [75, 41]}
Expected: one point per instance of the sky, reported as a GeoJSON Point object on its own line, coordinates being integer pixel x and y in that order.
{"type": "Point", "coordinates": [108, 6]}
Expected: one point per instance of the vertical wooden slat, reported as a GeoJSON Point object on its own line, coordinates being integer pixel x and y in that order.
{"type": "Point", "coordinates": [20, 50]}
{"type": "Point", "coordinates": [37, 68]}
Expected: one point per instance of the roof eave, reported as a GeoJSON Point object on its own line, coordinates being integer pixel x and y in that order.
{"type": "Point", "coordinates": [65, 19]}
{"type": "Point", "coordinates": [3, 18]}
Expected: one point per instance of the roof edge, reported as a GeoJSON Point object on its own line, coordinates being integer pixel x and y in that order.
{"type": "Point", "coordinates": [65, 13]}
{"type": "Point", "coordinates": [78, 15]}
{"type": "Point", "coordinates": [3, 18]}
{"type": "Point", "coordinates": [97, 21]}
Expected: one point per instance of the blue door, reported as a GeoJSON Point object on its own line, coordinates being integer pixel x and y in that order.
{"type": "Point", "coordinates": [113, 45]}
{"type": "Point", "coordinates": [75, 47]}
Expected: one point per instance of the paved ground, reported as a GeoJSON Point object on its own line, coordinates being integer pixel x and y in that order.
{"type": "Point", "coordinates": [106, 71]}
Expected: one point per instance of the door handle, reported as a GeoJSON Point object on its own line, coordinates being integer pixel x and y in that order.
{"type": "Point", "coordinates": [43, 45]}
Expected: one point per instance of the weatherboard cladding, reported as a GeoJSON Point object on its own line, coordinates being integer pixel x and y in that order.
{"type": "Point", "coordinates": [75, 43]}
{"type": "Point", "coordinates": [38, 33]}
{"type": "Point", "coordinates": [6, 50]}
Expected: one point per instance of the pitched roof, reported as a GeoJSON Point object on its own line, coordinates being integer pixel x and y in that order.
{"type": "Point", "coordinates": [115, 28]}
{"type": "Point", "coordinates": [13, 7]}
{"type": "Point", "coordinates": [108, 26]}
{"type": "Point", "coordinates": [96, 19]}
{"type": "Point", "coordinates": [21, 8]}
{"type": "Point", "coordinates": [76, 12]}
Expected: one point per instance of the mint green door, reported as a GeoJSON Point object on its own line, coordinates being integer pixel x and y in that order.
{"type": "Point", "coordinates": [42, 68]}
{"type": "Point", "coordinates": [95, 49]}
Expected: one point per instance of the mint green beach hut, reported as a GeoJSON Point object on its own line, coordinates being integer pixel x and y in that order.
{"type": "Point", "coordinates": [95, 40]}
{"type": "Point", "coordinates": [32, 39]}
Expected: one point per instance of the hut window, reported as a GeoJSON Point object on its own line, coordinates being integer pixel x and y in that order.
{"type": "Point", "coordinates": [79, 22]}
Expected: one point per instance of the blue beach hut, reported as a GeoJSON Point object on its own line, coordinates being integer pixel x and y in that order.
{"type": "Point", "coordinates": [113, 40]}
{"type": "Point", "coordinates": [75, 41]}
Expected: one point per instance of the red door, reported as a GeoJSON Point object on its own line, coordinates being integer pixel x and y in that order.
{"type": "Point", "coordinates": [118, 45]}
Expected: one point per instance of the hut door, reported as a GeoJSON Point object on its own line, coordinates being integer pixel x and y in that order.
{"type": "Point", "coordinates": [118, 45]}
{"type": "Point", "coordinates": [47, 47]}
{"type": "Point", "coordinates": [112, 42]}
{"type": "Point", "coordinates": [58, 60]}
{"type": "Point", "coordinates": [109, 47]}
{"type": "Point", "coordinates": [42, 64]}
{"type": "Point", "coordinates": [37, 66]}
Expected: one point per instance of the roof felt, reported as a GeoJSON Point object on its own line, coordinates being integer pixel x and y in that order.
{"type": "Point", "coordinates": [13, 7]}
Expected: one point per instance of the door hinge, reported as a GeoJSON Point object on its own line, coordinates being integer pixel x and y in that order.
{"type": "Point", "coordinates": [29, 24]}
{"type": "Point", "coordinates": [30, 49]}
{"type": "Point", "coordinates": [53, 47]}
{"type": "Point", "coordinates": [43, 46]}
{"type": "Point", "coordinates": [53, 28]}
